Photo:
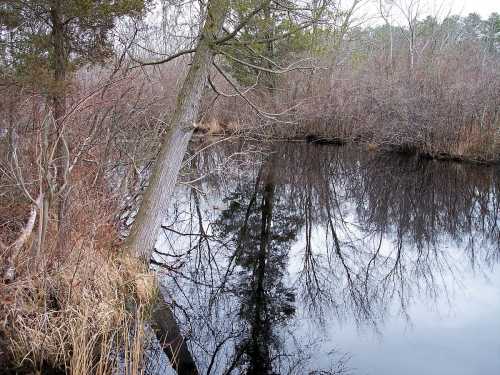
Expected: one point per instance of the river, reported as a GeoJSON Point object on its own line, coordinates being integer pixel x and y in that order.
{"type": "Point", "coordinates": [293, 258]}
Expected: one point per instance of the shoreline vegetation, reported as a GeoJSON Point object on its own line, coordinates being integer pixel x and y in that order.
{"type": "Point", "coordinates": [91, 98]}
{"type": "Point", "coordinates": [409, 150]}
{"type": "Point", "coordinates": [205, 136]}
{"type": "Point", "coordinates": [446, 105]}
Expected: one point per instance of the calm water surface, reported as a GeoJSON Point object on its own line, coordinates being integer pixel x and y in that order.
{"type": "Point", "coordinates": [303, 259]}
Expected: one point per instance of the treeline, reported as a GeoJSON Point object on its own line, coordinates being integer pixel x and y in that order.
{"type": "Point", "coordinates": [434, 90]}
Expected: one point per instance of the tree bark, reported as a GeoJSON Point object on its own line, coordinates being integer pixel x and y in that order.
{"type": "Point", "coordinates": [145, 230]}
{"type": "Point", "coordinates": [269, 35]}
{"type": "Point", "coordinates": [146, 227]}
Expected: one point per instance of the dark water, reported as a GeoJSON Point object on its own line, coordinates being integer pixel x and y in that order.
{"type": "Point", "coordinates": [303, 259]}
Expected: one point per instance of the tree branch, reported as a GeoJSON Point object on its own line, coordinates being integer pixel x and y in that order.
{"type": "Point", "coordinates": [242, 24]}
{"type": "Point", "coordinates": [289, 68]}
{"type": "Point", "coordinates": [267, 115]}
{"type": "Point", "coordinates": [169, 58]}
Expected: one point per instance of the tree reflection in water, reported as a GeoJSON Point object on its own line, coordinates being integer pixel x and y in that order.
{"type": "Point", "coordinates": [259, 240]}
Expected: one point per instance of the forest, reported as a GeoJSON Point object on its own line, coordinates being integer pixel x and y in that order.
{"type": "Point", "coordinates": [120, 119]}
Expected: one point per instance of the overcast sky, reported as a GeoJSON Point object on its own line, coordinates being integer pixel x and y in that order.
{"type": "Point", "coordinates": [483, 7]}
{"type": "Point", "coordinates": [369, 11]}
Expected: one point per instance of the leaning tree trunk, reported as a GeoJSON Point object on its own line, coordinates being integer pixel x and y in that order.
{"type": "Point", "coordinates": [145, 230]}
{"type": "Point", "coordinates": [161, 185]}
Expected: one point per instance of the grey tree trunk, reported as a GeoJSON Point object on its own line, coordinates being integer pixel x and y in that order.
{"type": "Point", "coordinates": [146, 227]}
{"type": "Point", "coordinates": [145, 230]}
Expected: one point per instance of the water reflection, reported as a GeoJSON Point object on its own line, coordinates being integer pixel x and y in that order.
{"type": "Point", "coordinates": [260, 243]}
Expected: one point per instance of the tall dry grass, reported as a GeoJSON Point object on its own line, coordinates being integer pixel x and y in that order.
{"type": "Point", "coordinates": [79, 310]}
{"type": "Point", "coordinates": [77, 318]}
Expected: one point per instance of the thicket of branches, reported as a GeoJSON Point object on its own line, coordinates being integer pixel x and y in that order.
{"type": "Point", "coordinates": [440, 97]}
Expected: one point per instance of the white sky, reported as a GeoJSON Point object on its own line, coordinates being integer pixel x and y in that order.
{"type": "Point", "coordinates": [483, 7]}
{"type": "Point", "coordinates": [369, 11]}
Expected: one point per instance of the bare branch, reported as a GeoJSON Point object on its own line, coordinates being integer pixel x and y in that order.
{"type": "Point", "coordinates": [169, 58]}
{"type": "Point", "coordinates": [267, 115]}
{"type": "Point", "coordinates": [28, 228]}
{"type": "Point", "coordinates": [289, 68]}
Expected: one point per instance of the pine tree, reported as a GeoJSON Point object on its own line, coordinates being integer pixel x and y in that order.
{"type": "Point", "coordinates": [44, 41]}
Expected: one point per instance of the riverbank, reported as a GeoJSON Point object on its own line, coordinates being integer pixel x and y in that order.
{"type": "Point", "coordinates": [70, 317]}
{"type": "Point", "coordinates": [410, 149]}
{"type": "Point", "coordinates": [79, 309]}
{"type": "Point", "coordinates": [445, 106]}
{"type": "Point", "coordinates": [462, 153]}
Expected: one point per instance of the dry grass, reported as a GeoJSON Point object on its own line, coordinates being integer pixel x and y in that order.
{"type": "Point", "coordinates": [77, 316]}
{"type": "Point", "coordinates": [218, 127]}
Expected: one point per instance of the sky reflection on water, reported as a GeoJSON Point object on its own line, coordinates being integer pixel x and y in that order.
{"type": "Point", "coordinates": [301, 259]}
